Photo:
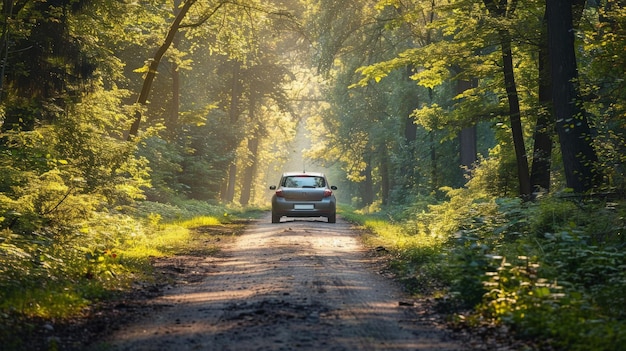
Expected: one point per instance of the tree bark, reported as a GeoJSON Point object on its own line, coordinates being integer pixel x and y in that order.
{"type": "Point", "coordinates": [544, 129]}
{"type": "Point", "coordinates": [579, 157]}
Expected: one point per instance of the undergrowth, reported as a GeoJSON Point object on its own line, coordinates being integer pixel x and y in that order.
{"type": "Point", "coordinates": [552, 270]}
{"type": "Point", "coordinates": [60, 273]}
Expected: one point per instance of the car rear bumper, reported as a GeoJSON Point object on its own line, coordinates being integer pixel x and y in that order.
{"type": "Point", "coordinates": [283, 207]}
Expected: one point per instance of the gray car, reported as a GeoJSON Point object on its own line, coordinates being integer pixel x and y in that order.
{"type": "Point", "coordinates": [304, 194]}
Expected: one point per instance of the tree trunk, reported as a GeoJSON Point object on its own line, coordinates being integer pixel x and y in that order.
{"type": "Point", "coordinates": [384, 175]}
{"type": "Point", "coordinates": [523, 175]}
{"type": "Point", "coordinates": [232, 178]}
{"type": "Point", "coordinates": [154, 65]}
{"type": "Point", "coordinates": [410, 127]}
{"type": "Point", "coordinates": [434, 170]}
{"type": "Point", "coordinates": [367, 186]}
{"type": "Point", "coordinates": [251, 169]}
{"type": "Point", "coordinates": [252, 156]}
{"type": "Point", "coordinates": [575, 141]}
{"type": "Point", "coordinates": [505, 9]}
{"type": "Point", "coordinates": [468, 148]}
{"type": "Point", "coordinates": [235, 95]}
{"type": "Point", "coordinates": [171, 123]}
{"type": "Point", "coordinates": [467, 136]}
{"type": "Point", "coordinates": [544, 129]}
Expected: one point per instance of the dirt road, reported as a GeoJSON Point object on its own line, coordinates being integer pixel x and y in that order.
{"type": "Point", "coordinates": [297, 285]}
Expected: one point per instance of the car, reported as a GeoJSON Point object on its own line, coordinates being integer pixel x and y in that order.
{"type": "Point", "coordinates": [303, 194]}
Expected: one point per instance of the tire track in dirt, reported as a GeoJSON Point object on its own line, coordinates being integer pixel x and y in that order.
{"type": "Point", "coordinates": [297, 285]}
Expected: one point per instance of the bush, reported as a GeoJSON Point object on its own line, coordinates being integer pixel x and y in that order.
{"type": "Point", "coordinates": [541, 267]}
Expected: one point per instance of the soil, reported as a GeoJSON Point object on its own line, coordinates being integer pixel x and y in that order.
{"type": "Point", "coordinates": [297, 285]}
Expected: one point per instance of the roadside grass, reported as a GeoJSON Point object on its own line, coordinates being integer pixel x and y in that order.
{"type": "Point", "coordinates": [199, 222]}
{"type": "Point", "coordinates": [415, 258]}
{"type": "Point", "coordinates": [62, 278]}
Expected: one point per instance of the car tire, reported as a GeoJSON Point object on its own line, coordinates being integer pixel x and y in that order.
{"type": "Point", "coordinates": [332, 218]}
{"type": "Point", "coordinates": [275, 218]}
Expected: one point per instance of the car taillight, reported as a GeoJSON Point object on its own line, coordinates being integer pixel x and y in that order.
{"type": "Point", "coordinates": [279, 193]}
{"type": "Point", "coordinates": [327, 192]}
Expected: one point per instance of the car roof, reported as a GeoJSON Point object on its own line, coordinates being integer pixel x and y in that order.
{"type": "Point", "coordinates": [305, 174]}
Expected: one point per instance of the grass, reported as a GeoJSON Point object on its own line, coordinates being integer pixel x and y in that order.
{"type": "Point", "coordinates": [59, 279]}
{"type": "Point", "coordinates": [201, 221]}
{"type": "Point", "coordinates": [108, 258]}
{"type": "Point", "coordinates": [415, 258]}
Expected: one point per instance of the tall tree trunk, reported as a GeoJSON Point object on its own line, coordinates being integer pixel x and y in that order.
{"type": "Point", "coordinates": [384, 175]}
{"type": "Point", "coordinates": [544, 129]}
{"type": "Point", "coordinates": [410, 127]}
{"type": "Point", "coordinates": [468, 148]}
{"type": "Point", "coordinates": [579, 157]}
{"type": "Point", "coordinates": [367, 186]}
{"type": "Point", "coordinates": [232, 178]}
{"type": "Point", "coordinates": [505, 9]}
{"type": "Point", "coordinates": [251, 169]}
{"type": "Point", "coordinates": [523, 174]}
{"type": "Point", "coordinates": [250, 166]}
{"type": "Point", "coordinates": [434, 169]}
{"type": "Point", "coordinates": [154, 65]}
{"type": "Point", "coordinates": [434, 159]}
{"type": "Point", "coordinates": [467, 135]}
{"type": "Point", "coordinates": [171, 123]}
{"type": "Point", "coordinates": [235, 96]}
{"type": "Point", "coordinates": [405, 172]}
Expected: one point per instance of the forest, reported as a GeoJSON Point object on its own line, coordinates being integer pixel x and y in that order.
{"type": "Point", "coordinates": [481, 142]}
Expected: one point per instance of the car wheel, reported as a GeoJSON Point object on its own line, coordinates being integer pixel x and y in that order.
{"type": "Point", "coordinates": [275, 218]}
{"type": "Point", "coordinates": [332, 218]}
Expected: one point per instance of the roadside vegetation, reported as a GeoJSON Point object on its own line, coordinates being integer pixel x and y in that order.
{"type": "Point", "coordinates": [62, 272]}
{"type": "Point", "coordinates": [552, 271]}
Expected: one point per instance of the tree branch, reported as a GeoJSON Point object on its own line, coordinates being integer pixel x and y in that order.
{"type": "Point", "coordinates": [154, 64]}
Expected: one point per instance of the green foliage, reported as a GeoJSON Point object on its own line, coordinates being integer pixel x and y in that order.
{"type": "Point", "coordinates": [56, 276]}
{"type": "Point", "coordinates": [182, 209]}
{"type": "Point", "coordinates": [164, 160]}
{"type": "Point", "coordinates": [569, 293]}
{"type": "Point", "coordinates": [553, 270]}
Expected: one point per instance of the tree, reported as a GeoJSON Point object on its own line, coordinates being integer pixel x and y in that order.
{"type": "Point", "coordinates": [156, 60]}
{"type": "Point", "coordinates": [44, 66]}
{"type": "Point", "coordinates": [264, 86]}
{"type": "Point", "coordinates": [544, 127]}
{"type": "Point", "coordinates": [503, 10]}
{"type": "Point", "coordinates": [579, 156]}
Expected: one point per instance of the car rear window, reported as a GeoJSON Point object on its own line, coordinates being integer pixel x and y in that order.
{"type": "Point", "coordinates": [303, 182]}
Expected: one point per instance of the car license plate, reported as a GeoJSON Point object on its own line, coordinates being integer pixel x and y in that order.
{"type": "Point", "coordinates": [303, 207]}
